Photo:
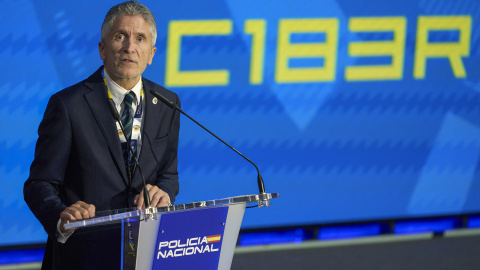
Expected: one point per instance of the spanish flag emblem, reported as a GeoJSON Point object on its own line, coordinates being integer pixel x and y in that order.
{"type": "Point", "coordinates": [213, 238]}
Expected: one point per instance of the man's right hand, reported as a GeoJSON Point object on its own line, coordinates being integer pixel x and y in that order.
{"type": "Point", "coordinates": [77, 211]}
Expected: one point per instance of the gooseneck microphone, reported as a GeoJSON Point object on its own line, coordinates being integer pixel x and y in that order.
{"type": "Point", "coordinates": [261, 187]}
{"type": "Point", "coordinates": [116, 116]}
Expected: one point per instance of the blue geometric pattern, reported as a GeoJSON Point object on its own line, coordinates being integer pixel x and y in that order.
{"type": "Point", "coordinates": [448, 174]}
{"type": "Point", "coordinates": [335, 150]}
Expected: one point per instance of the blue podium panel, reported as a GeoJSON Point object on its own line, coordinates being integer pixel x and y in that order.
{"type": "Point", "coordinates": [190, 239]}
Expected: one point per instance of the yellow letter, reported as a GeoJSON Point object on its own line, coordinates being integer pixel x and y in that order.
{"type": "Point", "coordinates": [452, 50]}
{"type": "Point", "coordinates": [178, 29]}
{"type": "Point", "coordinates": [257, 29]}
{"type": "Point", "coordinates": [394, 48]}
{"type": "Point", "coordinates": [287, 50]}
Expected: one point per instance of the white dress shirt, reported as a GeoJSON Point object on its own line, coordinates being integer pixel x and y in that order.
{"type": "Point", "coordinates": [118, 94]}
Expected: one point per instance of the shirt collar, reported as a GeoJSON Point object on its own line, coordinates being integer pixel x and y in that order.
{"type": "Point", "coordinates": [118, 92]}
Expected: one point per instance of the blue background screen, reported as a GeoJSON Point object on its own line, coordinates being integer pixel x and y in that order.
{"type": "Point", "coordinates": [353, 110]}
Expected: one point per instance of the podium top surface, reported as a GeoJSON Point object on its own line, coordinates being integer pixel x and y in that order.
{"type": "Point", "coordinates": [117, 215]}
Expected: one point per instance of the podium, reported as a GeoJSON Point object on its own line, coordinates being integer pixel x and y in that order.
{"type": "Point", "coordinates": [198, 235]}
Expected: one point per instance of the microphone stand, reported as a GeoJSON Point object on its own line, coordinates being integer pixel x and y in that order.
{"type": "Point", "coordinates": [264, 199]}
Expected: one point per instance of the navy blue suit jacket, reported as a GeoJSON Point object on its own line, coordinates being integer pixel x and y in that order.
{"type": "Point", "coordinates": [78, 156]}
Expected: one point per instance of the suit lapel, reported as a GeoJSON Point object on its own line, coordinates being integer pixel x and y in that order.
{"type": "Point", "coordinates": [150, 128]}
{"type": "Point", "coordinates": [97, 100]}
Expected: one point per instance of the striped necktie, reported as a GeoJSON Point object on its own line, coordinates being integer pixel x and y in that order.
{"type": "Point", "coordinates": [127, 121]}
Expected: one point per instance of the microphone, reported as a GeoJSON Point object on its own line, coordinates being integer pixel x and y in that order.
{"type": "Point", "coordinates": [264, 201]}
{"type": "Point", "coordinates": [116, 116]}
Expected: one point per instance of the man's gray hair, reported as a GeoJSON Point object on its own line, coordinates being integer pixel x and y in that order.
{"type": "Point", "coordinates": [129, 8]}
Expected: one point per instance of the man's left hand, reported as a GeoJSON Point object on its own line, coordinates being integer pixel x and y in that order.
{"type": "Point", "coordinates": [158, 197]}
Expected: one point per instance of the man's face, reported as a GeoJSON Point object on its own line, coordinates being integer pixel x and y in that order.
{"type": "Point", "coordinates": [127, 49]}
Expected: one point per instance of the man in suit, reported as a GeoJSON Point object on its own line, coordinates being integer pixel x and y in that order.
{"type": "Point", "coordinates": [82, 161]}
